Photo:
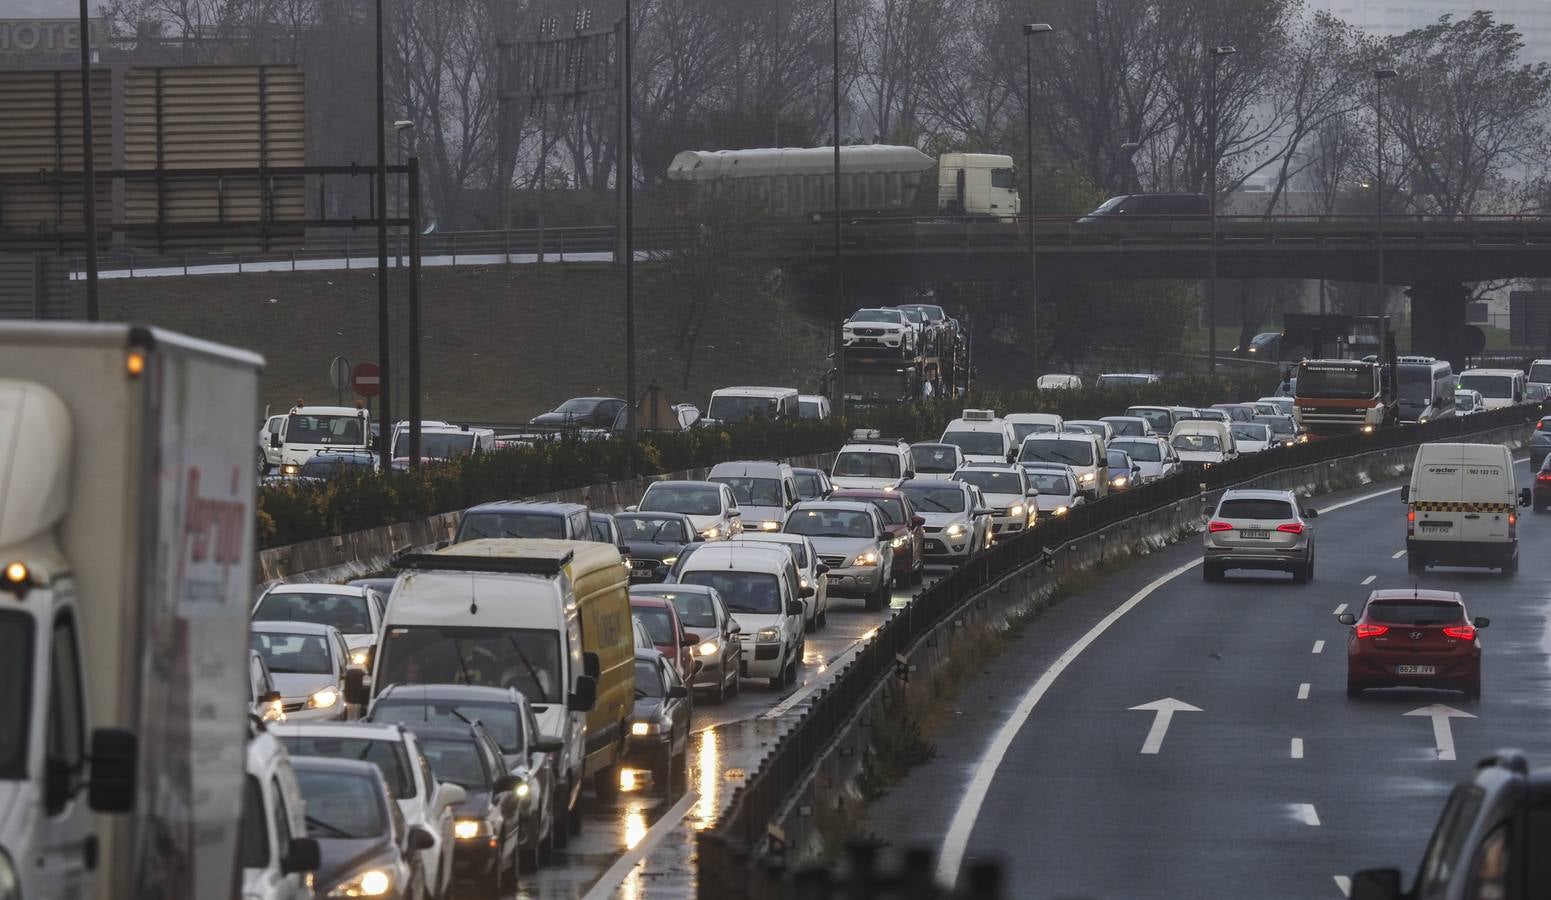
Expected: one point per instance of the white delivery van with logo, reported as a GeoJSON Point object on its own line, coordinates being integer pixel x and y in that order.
{"type": "Point", "coordinates": [1460, 508]}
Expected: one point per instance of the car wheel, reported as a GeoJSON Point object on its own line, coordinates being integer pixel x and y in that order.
{"type": "Point", "coordinates": [879, 598]}
{"type": "Point", "coordinates": [1511, 568]}
{"type": "Point", "coordinates": [497, 882]}
{"type": "Point", "coordinates": [662, 771]}
{"type": "Point", "coordinates": [789, 675]}
{"type": "Point", "coordinates": [573, 819]}
{"type": "Point", "coordinates": [918, 571]}
{"type": "Point", "coordinates": [811, 625]}
{"type": "Point", "coordinates": [1415, 565]}
{"type": "Point", "coordinates": [737, 685]}
{"type": "Point", "coordinates": [530, 859]}
{"type": "Point", "coordinates": [721, 689]}
{"type": "Point", "coordinates": [1301, 574]}
{"type": "Point", "coordinates": [605, 783]}
{"type": "Point", "coordinates": [823, 618]}
{"type": "Point", "coordinates": [560, 829]}
{"type": "Point", "coordinates": [901, 580]}
{"type": "Point", "coordinates": [1353, 689]}
{"type": "Point", "coordinates": [779, 678]}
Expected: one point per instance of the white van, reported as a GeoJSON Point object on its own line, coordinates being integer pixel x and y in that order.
{"type": "Point", "coordinates": [1460, 508]}
{"type": "Point", "coordinates": [981, 435]}
{"type": "Point", "coordinates": [762, 590]}
{"type": "Point", "coordinates": [1080, 451]}
{"type": "Point", "coordinates": [1203, 442]}
{"type": "Point", "coordinates": [734, 404]}
{"type": "Point", "coordinates": [1540, 372]}
{"type": "Point", "coordinates": [1025, 424]}
{"type": "Point", "coordinates": [1498, 387]}
{"type": "Point", "coordinates": [1058, 383]}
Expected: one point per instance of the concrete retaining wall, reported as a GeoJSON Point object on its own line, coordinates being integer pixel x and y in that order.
{"type": "Point", "coordinates": [361, 553]}
{"type": "Point", "coordinates": [836, 782]}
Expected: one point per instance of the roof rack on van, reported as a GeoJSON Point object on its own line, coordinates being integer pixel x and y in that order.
{"type": "Point", "coordinates": [866, 434]}
{"type": "Point", "coordinates": [979, 415]}
{"type": "Point", "coordinates": [509, 565]}
{"type": "Point", "coordinates": [876, 442]}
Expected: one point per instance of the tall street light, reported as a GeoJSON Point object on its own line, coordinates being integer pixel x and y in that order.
{"type": "Point", "coordinates": [1379, 77]}
{"type": "Point", "coordinates": [1029, 31]}
{"type": "Point", "coordinates": [88, 169]}
{"type": "Point", "coordinates": [400, 128]}
{"type": "Point", "coordinates": [840, 284]}
{"type": "Point", "coordinates": [380, 202]}
{"type": "Point", "coordinates": [1217, 53]}
{"type": "Point", "coordinates": [627, 177]}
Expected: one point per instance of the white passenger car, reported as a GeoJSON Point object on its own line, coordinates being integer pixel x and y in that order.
{"type": "Point", "coordinates": [981, 435]}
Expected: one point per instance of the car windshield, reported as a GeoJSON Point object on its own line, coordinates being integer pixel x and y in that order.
{"type": "Point", "coordinates": [305, 428]}
{"type": "Point", "coordinates": [862, 464]}
{"type": "Point", "coordinates": [528, 660]}
{"type": "Point", "coordinates": [914, 315]}
{"type": "Point", "coordinates": [578, 406]}
{"type": "Point", "coordinates": [1021, 430]}
{"type": "Point", "coordinates": [893, 509]}
{"type": "Point", "coordinates": [695, 608]}
{"type": "Point", "coordinates": [350, 614]}
{"type": "Point", "coordinates": [1070, 453]}
{"type": "Point", "coordinates": [457, 761]}
{"type": "Point", "coordinates": [1464, 401]}
{"type": "Point", "coordinates": [746, 592]}
{"type": "Point", "coordinates": [1337, 382]}
{"type": "Point", "coordinates": [1416, 383]}
{"type": "Point", "coordinates": [1142, 451]}
{"type": "Point", "coordinates": [932, 313]}
{"type": "Point", "coordinates": [1279, 425]}
{"type": "Point", "coordinates": [1255, 508]}
{"type": "Point", "coordinates": [829, 522]}
{"type": "Point", "coordinates": [934, 459]}
{"type": "Point", "coordinates": [1494, 387]}
{"type": "Point", "coordinates": [878, 315]}
{"type": "Point", "coordinates": [15, 692]}
{"type": "Point", "coordinates": [736, 408]}
{"type": "Point", "coordinates": [1110, 381]}
{"type": "Point", "coordinates": [1249, 431]}
{"type": "Point", "coordinates": [389, 756]}
{"type": "Point", "coordinates": [809, 485]}
{"type": "Point", "coordinates": [1414, 612]}
{"type": "Point", "coordinates": [753, 491]}
{"type": "Point", "coordinates": [648, 681]}
{"type": "Point", "coordinates": [293, 654]}
{"type": "Point", "coordinates": [502, 720]}
{"type": "Point", "coordinates": [688, 499]}
{"type": "Point", "coordinates": [650, 529]}
{"type": "Point", "coordinates": [436, 445]}
{"type": "Point", "coordinates": [1125, 426]}
{"type": "Point", "coordinates": [511, 525]}
{"type": "Point", "coordinates": [935, 498]}
{"type": "Point", "coordinates": [809, 409]}
{"type": "Point", "coordinates": [991, 481]}
{"type": "Point", "coordinates": [599, 525]}
{"type": "Point", "coordinates": [342, 806]}
{"type": "Point", "coordinates": [1196, 443]}
{"type": "Point", "coordinates": [1158, 418]}
{"type": "Point", "coordinates": [1051, 483]}
{"type": "Point", "coordinates": [659, 623]}
{"type": "Point", "coordinates": [979, 443]}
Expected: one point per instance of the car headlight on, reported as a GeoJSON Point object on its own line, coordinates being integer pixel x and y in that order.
{"type": "Point", "coordinates": [867, 558]}
{"type": "Point", "coordinates": [469, 829]}
{"type": "Point", "coordinates": [712, 533]}
{"type": "Point", "coordinates": [708, 648]}
{"type": "Point", "coordinates": [1016, 510]}
{"type": "Point", "coordinates": [955, 530]}
{"type": "Point", "coordinates": [1087, 477]}
{"type": "Point", "coordinates": [1367, 429]}
{"type": "Point", "coordinates": [522, 790]}
{"type": "Point", "coordinates": [370, 883]}
{"type": "Point", "coordinates": [290, 469]}
{"type": "Point", "coordinates": [1303, 438]}
{"type": "Point", "coordinates": [669, 560]}
{"type": "Point", "coordinates": [1060, 511]}
{"type": "Point", "coordinates": [1119, 481]}
{"type": "Point", "coordinates": [769, 526]}
{"type": "Point", "coordinates": [642, 729]}
{"type": "Point", "coordinates": [274, 711]}
{"type": "Point", "coordinates": [768, 635]}
{"type": "Point", "coordinates": [361, 657]}
{"type": "Point", "coordinates": [1421, 419]}
{"type": "Point", "coordinates": [803, 580]}
{"type": "Point", "coordinates": [323, 698]}
{"type": "Point", "coordinates": [10, 888]}
{"type": "Point", "coordinates": [901, 542]}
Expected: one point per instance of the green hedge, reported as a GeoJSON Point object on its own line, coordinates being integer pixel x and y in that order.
{"type": "Point", "coordinates": [290, 514]}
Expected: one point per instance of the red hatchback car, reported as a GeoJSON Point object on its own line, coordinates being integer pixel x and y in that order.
{"type": "Point", "coordinates": [1414, 638]}
{"type": "Point", "coordinates": [907, 528]}
{"type": "Point", "coordinates": [662, 624]}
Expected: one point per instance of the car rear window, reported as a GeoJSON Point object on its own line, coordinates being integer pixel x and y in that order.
{"type": "Point", "coordinates": [1414, 612]}
{"type": "Point", "coordinates": [1254, 508]}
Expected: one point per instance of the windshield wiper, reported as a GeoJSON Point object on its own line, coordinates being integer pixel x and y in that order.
{"type": "Point", "coordinates": [532, 672]}
{"type": "Point", "coordinates": [335, 830]}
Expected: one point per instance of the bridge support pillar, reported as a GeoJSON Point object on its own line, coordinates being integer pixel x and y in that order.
{"type": "Point", "coordinates": [1438, 320]}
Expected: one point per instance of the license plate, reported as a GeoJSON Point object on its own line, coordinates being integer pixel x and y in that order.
{"type": "Point", "coordinates": [1416, 670]}
{"type": "Point", "coordinates": [1254, 534]}
{"type": "Point", "coordinates": [1436, 526]}
{"type": "Point", "coordinates": [833, 579]}
{"type": "Point", "coordinates": [642, 574]}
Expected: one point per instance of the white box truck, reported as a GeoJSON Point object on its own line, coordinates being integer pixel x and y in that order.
{"type": "Point", "coordinates": [126, 549]}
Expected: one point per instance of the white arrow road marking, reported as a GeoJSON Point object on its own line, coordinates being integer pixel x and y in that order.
{"type": "Point", "coordinates": [1398, 554]}
{"type": "Point", "coordinates": [1303, 691]}
{"type": "Point", "coordinates": [1370, 579]}
{"type": "Point", "coordinates": [1296, 750]}
{"type": "Point", "coordinates": [1443, 733]}
{"type": "Point", "coordinates": [1304, 812]}
{"type": "Point", "coordinates": [1165, 709]}
{"type": "Point", "coordinates": [1344, 885]}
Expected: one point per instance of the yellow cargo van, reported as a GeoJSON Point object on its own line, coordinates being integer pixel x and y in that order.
{"type": "Point", "coordinates": [549, 618]}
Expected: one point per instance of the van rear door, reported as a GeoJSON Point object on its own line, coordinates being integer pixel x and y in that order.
{"type": "Point", "coordinates": [1487, 492]}
{"type": "Point", "coordinates": [1438, 493]}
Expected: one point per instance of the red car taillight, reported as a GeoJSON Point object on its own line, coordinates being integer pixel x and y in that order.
{"type": "Point", "coordinates": [1291, 528]}
{"type": "Point", "coordinates": [1543, 476]}
{"type": "Point", "coordinates": [1215, 527]}
{"type": "Point", "coordinates": [1410, 523]}
{"type": "Point", "coordinates": [1364, 630]}
{"type": "Point", "coordinates": [1463, 632]}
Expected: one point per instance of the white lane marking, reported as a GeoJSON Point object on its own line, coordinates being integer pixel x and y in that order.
{"type": "Point", "coordinates": [1303, 691]}
{"type": "Point", "coordinates": [1344, 885]}
{"type": "Point", "coordinates": [1370, 579]}
{"type": "Point", "coordinates": [1296, 750]}
{"type": "Point", "coordinates": [1165, 710]}
{"type": "Point", "coordinates": [1319, 646]}
{"type": "Point", "coordinates": [957, 839]}
{"type": "Point", "coordinates": [1340, 609]}
{"type": "Point", "coordinates": [1443, 733]}
{"type": "Point", "coordinates": [622, 867]}
{"type": "Point", "coordinates": [1305, 813]}
{"type": "Point", "coordinates": [1398, 554]}
{"type": "Point", "coordinates": [974, 797]}
{"type": "Point", "coordinates": [780, 709]}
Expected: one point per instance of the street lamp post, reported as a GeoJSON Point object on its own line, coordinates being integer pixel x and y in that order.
{"type": "Point", "coordinates": [400, 127]}
{"type": "Point", "coordinates": [1379, 77]}
{"type": "Point", "coordinates": [1029, 30]}
{"type": "Point", "coordinates": [627, 174]}
{"type": "Point", "coordinates": [1217, 53]}
{"type": "Point", "coordinates": [840, 284]}
{"type": "Point", "coordinates": [384, 337]}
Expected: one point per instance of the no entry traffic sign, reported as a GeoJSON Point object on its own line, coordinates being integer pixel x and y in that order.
{"type": "Point", "coordinates": [366, 380]}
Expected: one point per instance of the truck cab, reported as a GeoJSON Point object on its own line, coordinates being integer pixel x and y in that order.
{"type": "Point", "coordinates": [310, 429]}
{"type": "Point", "coordinates": [1343, 396]}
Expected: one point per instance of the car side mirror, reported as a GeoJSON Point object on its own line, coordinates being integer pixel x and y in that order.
{"type": "Point", "coordinates": [1311, 513]}
{"type": "Point", "coordinates": [1376, 884]}
{"type": "Point", "coordinates": [806, 592]}
{"type": "Point", "coordinates": [623, 551]}
{"type": "Point", "coordinates": [1405, 493]}
{"type": "Point", "coordinates": [795, 607]}
{"type": "Point", "coordinates": [734, 513]}
{"type": "Point", "coordinates": [982, 511]}
{"type": "Point", "coordinates": [274, 441]}
{"type": "Point", "coordinates": [909, 474]}
{"type": "Point", "coordinates": [1347, 619]}
{"type": "Point", "coordinates": [355, 688]}
{"type": "Point", "coordinates": [821, 568]}
{"type": "Point", "coordinates": [419, 839]}
{"type": "Point", "coordinates": [451, 794]}
{"type": "Point", "coordinates": [1481, 621]}
{"type": "Point", "coordinates": [917, 521]}
{"type": "Point", "coordinates": [302, 855]}
{"type": "Point", "coordinates": [590, 665]}
{"type": "Point", "coordinates": [1525, 497]}
{"type": "Point", "coordinates": [547, 745]}
{"type": "Point", "coordinates": [678, 692]}
{"type": "Point", "coordinates": [505, 783]}
{"type": "Point", "coordinates": [269, 697]}
{"type": "Point", "coordinates": [688, 640]}
{"type": "Point", "coordinates": [115, 760]}
{"type": "Point", "coordinates": [734, 628]}
{"type": "Point", "coordinates": [631, 508]}
{"type": "Point", "coordinates": [585, 696]}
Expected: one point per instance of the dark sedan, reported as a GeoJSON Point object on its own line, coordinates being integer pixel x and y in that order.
{"type": "Point", "coordinates": [659, 728]}
{"type": "Point", "coordinates": [582, 412]}
{"type": "Point", "coordinates": [1124, 473]}
{"type": "Point", "coordinates": [487, 824]}
{"type": "Point", "coordinates": [1540, 442]}
{"type": "Point", "coordinates": [812, 484]}
{"type": "Point", "coordinates": [1542, 491]}
{"type": "Point", "coordinates": [653, 541]}
{"type": "Point", "coordinates": [351, 816]}
{"type": "Point", "coordinates": [907, 528]}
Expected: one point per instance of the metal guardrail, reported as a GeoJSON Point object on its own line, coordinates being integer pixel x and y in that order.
{"type": "Point", "coordinates": [726, 863]}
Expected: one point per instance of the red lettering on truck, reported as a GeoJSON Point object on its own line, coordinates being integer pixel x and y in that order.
{"type": "Point", "coordinates": [214, 528]}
